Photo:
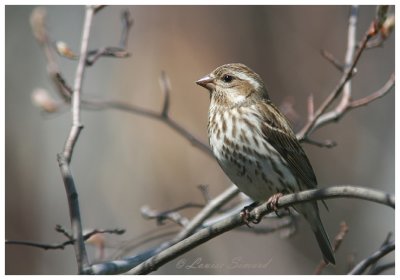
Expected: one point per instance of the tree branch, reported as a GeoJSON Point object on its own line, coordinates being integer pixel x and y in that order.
{"type": "Point", "coordinates": [116, 52]}
{"type": "Point", "coordinates": [339, 112]}
{"type": "Point", "coordinates": [344, 228]}
{"type": "Point", "coordinates": [183, 241]}
{"type": "Point", "coordinates": [159, 116]}
{"type": "Point", "coordinates": [142, 264]}
{"type": "Point", "coordinates": [64, 158]}
{"type": "Point", "coordinates": [363, 265]}
{"type": "Point", "coordinates": [320, 117]}
{"type": "Point", "coordinates": [62, 245]}
{"type": "Point", "coordinates": [381, 268]}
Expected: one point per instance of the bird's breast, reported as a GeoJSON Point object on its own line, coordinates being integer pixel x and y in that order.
{"type": "Point", "coordinates": [246, 156]}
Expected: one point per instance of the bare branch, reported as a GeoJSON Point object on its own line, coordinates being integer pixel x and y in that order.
{"type": "Point", "coordinates": [127, 23]}
{"type": "Point", "coordinates": [333, 60]}
{"type": "Point", "coordinates": [364, 264]}
{"type": "Point", "coordinates": [349, 57]}
{"type": "Point", "coordinates": [98, 8]}
{"type": "Point", "coordinates": [286, 225]}
{"type": "Point", "coordinates": [66, 243]}
{"type": "Point", "coordinates": [338, 113]}
{"type": "Point", "coordinates": [74, 213]}
{"type": "Point", "coordinates": [154, 234]}
{"type": "Point", "coordinates": [64, 158]}
{"type": "Point", "coordinates": [385, 242]}
{"type": "Point", "coordinates": [213, 206]}
{"type": "Point", "coordinates": [376, 95]}
{"type": "Point", "coordinates": [347, 75]}
{"type": "Point", "coordinates": [381, 268]}
{"type": "Point", "coordinates": [44, 246]}
{"type": "Point", "coordinates": [166, 89]}
{"type": "Point", "coordinates": [61, 229]}
{"type": "Point", "coordinates": [116, 52]}
{"type": "Point", "coordinates": [133, 109]}
{"type": "Point", "coordinates": [205, 193]}
{"type": "Point", "coordinates": [310, 107]}
{"type": "Point", "coordinates": [325, 144]}
{"type": "Point", "coordinates": [146, 262]}
{"type": "Point", "coordinates": [39, 28]}
{"type": "Point", "coordinates": [344, 228]}
{"type": "Point", "coordinates": [172, 214]}
{"type": "Point", "coordinates": [76, 96]}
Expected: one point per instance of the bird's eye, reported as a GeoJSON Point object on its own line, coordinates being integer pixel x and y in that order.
{"type": "Point", "coordinates": [227, 78]}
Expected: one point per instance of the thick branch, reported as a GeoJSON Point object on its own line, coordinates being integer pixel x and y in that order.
{"type": "Point", "coordinates": [74, 213]}
{"type": "Point", "coordinates": [142, 264]}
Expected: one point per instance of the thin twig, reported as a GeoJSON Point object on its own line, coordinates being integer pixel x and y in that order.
{"type": "Point", "coordinates": [205, 193]}
{"type": "Point", "coordinates": [347, 75]}
{"type": "Point", "coordinates": [344, 228]}
{"type": "Point", "coordinates": [166, 89]}
{"type": "Point", "coordinates": [64, 158]}
{"type": "Point", "coordinates": [385, 242]}
{"type": "Point", "coordinates": [325, 144]}
{"type": "Point", "coordinates": [98, 8]}
{"type": "Point", "coordinates": [127, 23]}
{"type": "Point", "coordinates": [133, 109]}
{"type": "Point", "coordinates": [333, 60]}
{"type": "Point", "coordinates": [39, 28]}
{"type": "Point", "coordinates": [376, 95]}
{"type": "Point", "coordinates": [338, 113]}
{"type": "Point", "coordinates": [146, 262]}
{"type": "Point", "coordinates": [65, 243]}
{"type": "Point", "coordinates": [44, 246]}
{"type": "Point", "coordinates": [116, 52]}
{"type": "Point", "coordinates": [129, 245]}
{"type": "Point", "coordinates": [61, 229]}
{"type": "Point", "coordinates": [310, 107]}
{"type": "Point", "coordinates": [76, 96]}
{"type": "Point", "coordinates": [349, 57]}
{"type": "Point", "coordinates": [381, 268]}
{"type": "Point", "coordinates": [171, 214]}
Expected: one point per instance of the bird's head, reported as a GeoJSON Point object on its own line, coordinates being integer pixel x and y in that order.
{"type": "Point", "coordinates": [233, 85]}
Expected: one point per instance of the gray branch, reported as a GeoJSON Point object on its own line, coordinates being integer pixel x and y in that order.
{"type": "Point", "coordinates": [363, 265]}
{"type": "Point", "coordinates": [64, 158]}
{"type": "Point", "coordinates": [145, 262]}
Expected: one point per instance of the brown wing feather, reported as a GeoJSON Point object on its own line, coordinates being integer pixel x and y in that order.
{"type": "Point", "coordinates": [277, 131]}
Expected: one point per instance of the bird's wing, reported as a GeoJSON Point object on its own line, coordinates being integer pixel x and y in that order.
{"type": "Point", "coordinates": [277, 131]}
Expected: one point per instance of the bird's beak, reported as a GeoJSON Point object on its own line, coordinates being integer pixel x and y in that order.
{"type": "Point", "coordinates": [206, 82]}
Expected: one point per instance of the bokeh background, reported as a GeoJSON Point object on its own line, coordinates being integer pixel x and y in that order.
{"type": "Point", "coordinates": [123, 161]}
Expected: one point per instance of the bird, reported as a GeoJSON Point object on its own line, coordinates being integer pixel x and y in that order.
{"type": "Point", "coordinates": [255, 145]}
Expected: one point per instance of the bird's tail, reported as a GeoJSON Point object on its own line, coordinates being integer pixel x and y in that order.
{"type": "Point", "coordinates": [311, 213]}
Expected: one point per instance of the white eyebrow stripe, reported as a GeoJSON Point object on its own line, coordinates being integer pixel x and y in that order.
{"type": "Point", "coordinates": [245, 77]}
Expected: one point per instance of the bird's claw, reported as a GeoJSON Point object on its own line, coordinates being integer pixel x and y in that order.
{"type": "Point", "coordinates": [272, 202]}
{"type": "Point", "coordinates": [245, 214]}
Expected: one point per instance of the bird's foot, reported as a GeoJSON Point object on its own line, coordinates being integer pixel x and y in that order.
{"type": "Point", "coordinates": [272, 202]}
{"type": "Point", "coordinates": [245, 214]}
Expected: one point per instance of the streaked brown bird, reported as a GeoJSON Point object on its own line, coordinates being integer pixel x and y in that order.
{"type": "Point", "coordinates": [255, 144]}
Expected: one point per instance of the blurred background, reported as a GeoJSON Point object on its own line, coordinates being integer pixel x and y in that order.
{"type": "Point", "coordinates": [123, 161]}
